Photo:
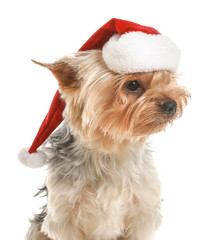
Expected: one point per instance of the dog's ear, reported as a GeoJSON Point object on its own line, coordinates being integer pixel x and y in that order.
{"type": "Point", "coordinates": [63, 72]}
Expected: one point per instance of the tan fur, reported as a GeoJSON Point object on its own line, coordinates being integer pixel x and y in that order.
{"type": "Point", "coordinates": [40, 236]}
{"type": "Point", "coordinates": [107, 208]}
{"type": "Point", "coordinates": [103, 111]}
{"type": "Point", "coordinates": [117, 195]}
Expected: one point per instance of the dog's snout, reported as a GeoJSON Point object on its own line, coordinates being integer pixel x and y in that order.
{"type": "Point", "coordinates": [169, 107]}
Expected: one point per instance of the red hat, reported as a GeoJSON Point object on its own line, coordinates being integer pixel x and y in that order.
{"type": "Point", "coordinates": [126, 47]}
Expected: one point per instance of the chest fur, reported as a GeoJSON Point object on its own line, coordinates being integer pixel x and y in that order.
{"type": "Point", "coordinates": [101, 195]}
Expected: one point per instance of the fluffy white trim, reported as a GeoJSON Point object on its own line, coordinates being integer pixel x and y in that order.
{"type": "Point", "coordinates": [33, 160]}
{"type": "Point", "coordinates": [140, 52]}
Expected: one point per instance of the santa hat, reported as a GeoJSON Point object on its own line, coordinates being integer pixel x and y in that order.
{"type": "Point", "coordinates": [126, 47]}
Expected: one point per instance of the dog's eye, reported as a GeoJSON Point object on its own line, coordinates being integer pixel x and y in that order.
{"type": "Point", "coordinates": [133, 86]}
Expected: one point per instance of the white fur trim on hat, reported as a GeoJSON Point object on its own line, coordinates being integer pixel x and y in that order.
{"type": "Point", "coordinates": [140, 52]}
{"type": "Point", "coordinates": [33, 160]}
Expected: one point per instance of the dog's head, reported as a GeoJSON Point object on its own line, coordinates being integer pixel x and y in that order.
{"type": "Point", "coordinates": [101, 104]}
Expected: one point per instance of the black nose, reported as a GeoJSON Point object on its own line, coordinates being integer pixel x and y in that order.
{"type": "Point", "coordinates": [169, 107]}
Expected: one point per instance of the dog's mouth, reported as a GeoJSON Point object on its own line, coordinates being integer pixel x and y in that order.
{"type": "Point", "coordinates": [158, 120]}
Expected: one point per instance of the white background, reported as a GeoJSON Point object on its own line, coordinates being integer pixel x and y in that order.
{"type": "Point", "coordinates": [186, 154]}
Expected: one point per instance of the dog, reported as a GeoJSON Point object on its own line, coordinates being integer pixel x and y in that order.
{"type": "Point", "coordinates": [101, 181]}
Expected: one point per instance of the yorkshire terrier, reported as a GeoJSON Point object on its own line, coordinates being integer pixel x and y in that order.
{"type": "Point", "coordinates": [101, 182]}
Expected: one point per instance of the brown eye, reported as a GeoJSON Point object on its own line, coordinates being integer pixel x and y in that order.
{"type": "Point", "coordinates": [133, 86]}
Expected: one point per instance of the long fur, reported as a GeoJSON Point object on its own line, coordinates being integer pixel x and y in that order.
{"type": "Point", "coordinates": [103, 202]}
{"type": "Point", "coordinates": [101, 181]}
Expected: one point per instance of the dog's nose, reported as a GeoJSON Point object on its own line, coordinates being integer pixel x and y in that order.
{"type": "Point", "coordinates": [169, 107]}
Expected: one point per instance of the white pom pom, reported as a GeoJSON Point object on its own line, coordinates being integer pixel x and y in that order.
{"type": "Point", "coordinates": [33, 160]}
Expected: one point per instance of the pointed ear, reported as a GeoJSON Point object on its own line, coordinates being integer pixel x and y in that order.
{"type": "Point", "coordinates": [63, 72]}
